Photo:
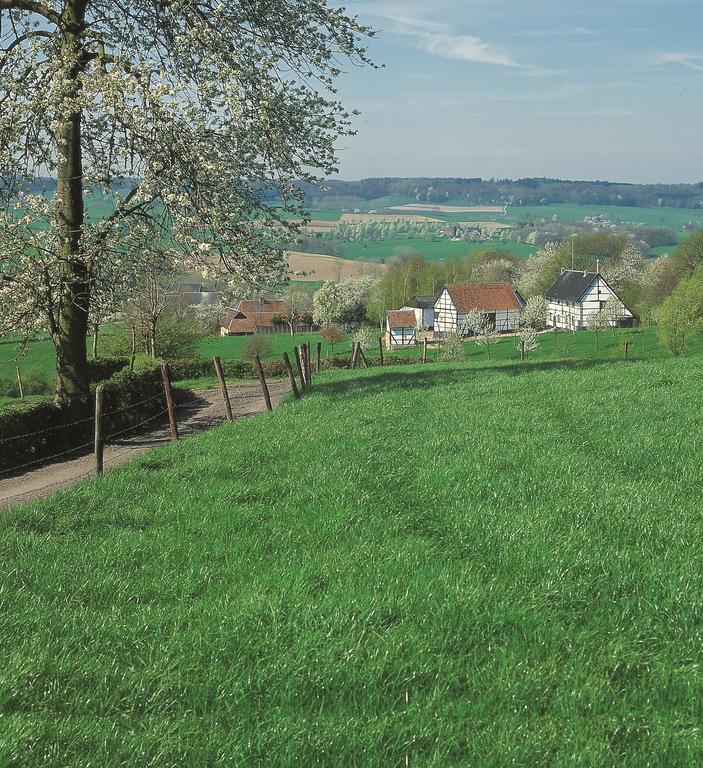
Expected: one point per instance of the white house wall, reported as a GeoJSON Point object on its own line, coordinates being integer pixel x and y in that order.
{"type": "Point", "coordinates": [447, 319]}
{"type": "Point", "coordinates": [446, 316]}
{"type": "Point", "coordinates": [576, 315]}
{"type": "Point", "coordinates": [401, 337]}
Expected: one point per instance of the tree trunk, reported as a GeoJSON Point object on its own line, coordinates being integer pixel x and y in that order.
{"type": "Point", "coordinates": [152, 337]}
{"type": "Point", "coordinates": [134, 349]}
{"type": "Point", "coordinates": [96, 331]}
{"type": "Point", "coordinates": [71, 324]}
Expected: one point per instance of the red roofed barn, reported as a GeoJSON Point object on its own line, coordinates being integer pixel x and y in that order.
{"type": "Point", "coordinates": [255, 316]}
{"type": "Point", "coordinates": [498, 302]}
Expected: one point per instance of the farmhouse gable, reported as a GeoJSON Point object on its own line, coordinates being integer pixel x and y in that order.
{"type": "Point", "coordinates": [576, 296]}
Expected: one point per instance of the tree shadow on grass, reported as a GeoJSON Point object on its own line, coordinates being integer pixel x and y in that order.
{"type": "Point", "coordinates": [381, 380]}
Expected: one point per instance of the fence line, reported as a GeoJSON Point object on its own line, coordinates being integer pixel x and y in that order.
{"type": "Point", "coordinates": [239, 393]}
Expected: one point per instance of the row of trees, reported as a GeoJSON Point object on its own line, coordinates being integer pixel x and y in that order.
{"type": "Point", "coordinates": [531, 191]}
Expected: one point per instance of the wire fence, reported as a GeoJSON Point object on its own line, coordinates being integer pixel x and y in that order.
{"type": "Point", "coordinates": [193, 413]}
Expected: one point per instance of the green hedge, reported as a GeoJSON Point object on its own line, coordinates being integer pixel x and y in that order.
{"type": "Point", "coordinates": [31, 431]}
{"type": "Point", "coordinates": [233, 369]}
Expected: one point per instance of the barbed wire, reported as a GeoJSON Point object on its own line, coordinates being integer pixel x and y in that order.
{"type": "Point", "coordinates": [135, 426]}
{"type": "Point", "coordinates": [240, 396]}
{"type": "Point", "coordinates": [48, 429]}
{"type": "Point", "coordinates": [45, 458]}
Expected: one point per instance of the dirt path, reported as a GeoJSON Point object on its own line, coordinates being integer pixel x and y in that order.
{"type": "Point", "coordinates": [201, 410]}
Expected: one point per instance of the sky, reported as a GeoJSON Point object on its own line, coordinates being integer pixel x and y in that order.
{"type": "Point", "coordinates": [509, 89]}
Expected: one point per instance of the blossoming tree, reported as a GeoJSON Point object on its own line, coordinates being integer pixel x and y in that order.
{"type": "Point", "coordinates": [190, 118]}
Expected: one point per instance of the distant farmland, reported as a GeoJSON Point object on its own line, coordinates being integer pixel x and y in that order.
{"type": "Point", "coordinates": [321, 267]}
{"type": "Point", "coordinates": [449, 208]}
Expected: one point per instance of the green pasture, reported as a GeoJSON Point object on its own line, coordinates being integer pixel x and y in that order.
{"type": "Point", "coordinates": [674, 218]}
{"type": "Point", "coordinates": [432, 250]}
{"type": "Point", "coordinates": [448, 565]}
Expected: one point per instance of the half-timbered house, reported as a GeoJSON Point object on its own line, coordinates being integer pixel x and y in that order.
{"type": "Point", "coordinates": [500, 304]}
{"type": "Point", "coordinates": [575, 296]}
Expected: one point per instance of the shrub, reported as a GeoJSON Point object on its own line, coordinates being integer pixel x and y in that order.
{"type": "Point", "coordinates": [452, 348]}
{"type": "Point", "coordinates": [33, 430]}
{"type": "Point", "coordinates": [177, 336]}
{"type": "Point", "coordinates": [366, 337]}
{"type": "Point", "coordinates": [255, 345]}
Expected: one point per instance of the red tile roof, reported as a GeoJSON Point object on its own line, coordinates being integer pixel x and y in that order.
{"type": "Point", "coordinates": [257, 306]}
{"type": "Point", "coordinates": [486, 296]}
{"type": "Point", "coordinates": [235, 321]}
{"type": "Point", "coordinates": [401, 318]}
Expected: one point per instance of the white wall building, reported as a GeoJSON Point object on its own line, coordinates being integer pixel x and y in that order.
{"type": "Point", "coordinates": [575, 296]}
{"type": "Point", "coordinates": [501, 305]}
{"type": "Point", "coordinates": [423, 307]}
{"type": "Point", "coordinates": [400, 328]}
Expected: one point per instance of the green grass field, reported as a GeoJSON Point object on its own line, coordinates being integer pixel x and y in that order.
{"type": "Point", "coordinates": [432, 250]}
{"type": "Point", "coordinates": [673, 218]}
{"type": "Point", "coordinates": [441, 566]}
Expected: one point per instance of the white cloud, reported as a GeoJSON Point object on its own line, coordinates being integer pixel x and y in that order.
{"type": "Point", "coordinates": [439, 39]}
{"type": "Point", "coordinates": [690, 60]}
{"type": "Point", "coordinates": [463, 48]}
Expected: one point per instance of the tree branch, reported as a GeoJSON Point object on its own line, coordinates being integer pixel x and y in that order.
{"type": "Point", "coordinates": [33, 7]}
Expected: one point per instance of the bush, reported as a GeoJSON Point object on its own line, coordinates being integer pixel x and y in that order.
{"type": "Point", "coordinates": [177, 336]}
{"type": "Point", "coordinates": [366, 337]}
{"type": "Point", "coordinates": [452, 349]}
{"type": "Point", "coordinates": [255, 345]}
{"type": "Point", "coordinates": [233, 369]}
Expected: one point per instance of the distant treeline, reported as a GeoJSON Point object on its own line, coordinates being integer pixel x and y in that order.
{"type": "Point", "coordinates": [508, 191]}
{"type": "Point", "coordinates": [349, 194]}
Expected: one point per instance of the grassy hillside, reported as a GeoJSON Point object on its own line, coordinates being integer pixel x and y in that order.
{"type": "Point", "coordinates": [430, 567]}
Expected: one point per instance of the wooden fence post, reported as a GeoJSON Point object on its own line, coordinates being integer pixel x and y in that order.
{"type": "Point", "coordinates": [223, 386]}
{"type": "Point", "coordinates": [19, 382]}
{"type": "Point", "coordinates": [627, 347]}
{"type": "Point", "coordinates": [363, 356]}
{"type": "Point", "coordinates": [99, 438]}
{"type": "Point", "coordinates": [301, 369]}
{"type": "Point", "coordinates": [291, 375]}
{"type": "Point", "coordinates": [355, 354]}
{"type": "Point", "coordinates": [424, 350]}
{"type": "Point", "coordinates": [308, 360]}
{"type": "Point", "coordinates": [168, 392]}
{"type": "Point", "coordinates": [318, 363]}
{"type": "Point", "coordinates": [262, 380]}
{"type": "Point", "coordinates": [380, 347]}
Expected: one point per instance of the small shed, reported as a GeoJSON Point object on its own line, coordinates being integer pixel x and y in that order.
{"type": "Point", "coordinates": [575, 296]}
{"type": "Point", "coordinates": [400, 328]}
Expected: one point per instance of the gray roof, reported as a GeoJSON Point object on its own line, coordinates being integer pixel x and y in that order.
{"type": "Point", "coordinates": [421, 302]}
{"type": "Point", "coordinates": [570, 285]}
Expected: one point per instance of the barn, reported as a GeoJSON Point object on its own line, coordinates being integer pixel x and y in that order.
{"type": "Point", "coordinates": [400, 328]}
{"type": "Point", "coordinates": [575, 296]}
{"type": "Point", "coordinates": [252, 316]}
{"type": "Point", "coordinates": [501, 305]}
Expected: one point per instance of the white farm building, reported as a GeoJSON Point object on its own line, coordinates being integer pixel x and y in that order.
{"type": "Point", "coordinates": [501, 305]}
{"type": "Point", "coordinates": [400, 328]}
{"type": "Point", "coordinates": [575, 296]}
{"type": "Point", "coordinates": [423, 307]}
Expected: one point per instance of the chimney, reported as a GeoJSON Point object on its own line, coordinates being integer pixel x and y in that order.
{"type": "Point", "coordinates": [598, 267]}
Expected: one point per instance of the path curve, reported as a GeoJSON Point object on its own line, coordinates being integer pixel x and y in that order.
{"type": "Point", "coordinates": [199, 410]}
